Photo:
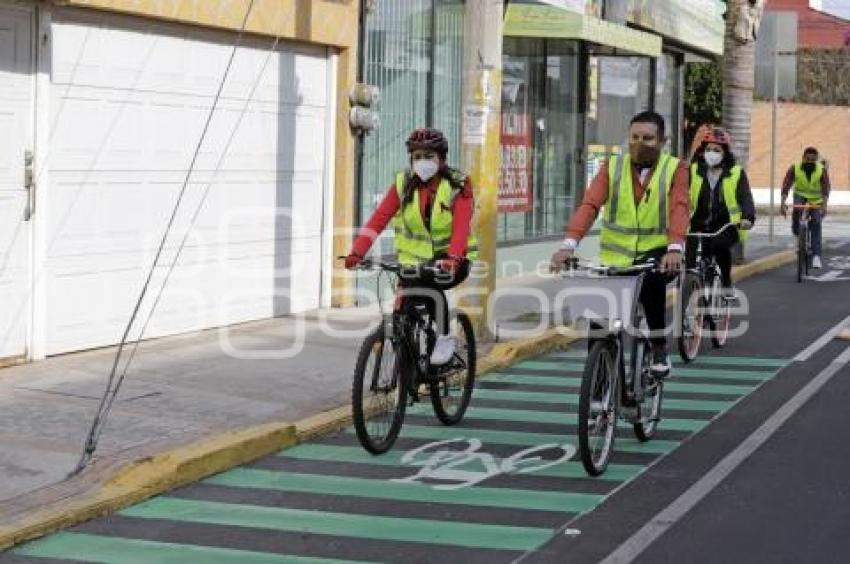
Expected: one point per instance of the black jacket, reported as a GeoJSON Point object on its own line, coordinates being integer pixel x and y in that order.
{"type": "Point", "coordinates": [712, 215]}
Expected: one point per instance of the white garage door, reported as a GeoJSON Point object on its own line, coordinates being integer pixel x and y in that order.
{"type": "Point", "coordinates": [129, 101]}
{"type": "Point", "coordinates": [16, 139]}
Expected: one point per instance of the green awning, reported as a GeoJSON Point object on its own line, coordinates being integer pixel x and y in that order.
{"type": "Point", "coordinates": [529, 20]}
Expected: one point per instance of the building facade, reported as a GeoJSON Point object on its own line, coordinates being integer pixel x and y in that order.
{"type": "Point", "coordinates": [816, 28]}
{"type": "Point", "coordinates": [574, 73]}
{"type": "Point", "coordinates": [122, 117]}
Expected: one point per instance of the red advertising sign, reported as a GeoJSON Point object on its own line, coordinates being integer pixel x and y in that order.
{"type": "Point", "coordinates": [516, 172]}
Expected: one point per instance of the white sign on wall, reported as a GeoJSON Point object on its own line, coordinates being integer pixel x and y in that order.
{"type": "Point", "coordinates": [574, 5]}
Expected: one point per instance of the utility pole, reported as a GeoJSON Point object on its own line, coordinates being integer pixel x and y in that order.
{"type": "Point", "coordinates": [773, 133]}
{"type": "Point", "coordinates": [481, 148]}
{"type": "Point", "coordinates": [774, 111]}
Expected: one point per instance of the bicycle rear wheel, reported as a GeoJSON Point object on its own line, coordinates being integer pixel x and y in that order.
{"type": "Point", "coordinates": [452, 390]}
{"type": "Point", "coordinates": [379, 392]}
{"type": "Point", "coordinates": [721, 313]}
{"type": "Point", "coordinates": [597, 408]}
{"type": "Point", "coordinates": [649, 408]}
{"type": "Point", "coordinates": [691, 318]}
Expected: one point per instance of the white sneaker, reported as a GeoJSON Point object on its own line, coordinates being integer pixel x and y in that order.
{"type": "Point", "coordinates": [444, 349]}
{"type": "Point", "coordinates": [816, 262]}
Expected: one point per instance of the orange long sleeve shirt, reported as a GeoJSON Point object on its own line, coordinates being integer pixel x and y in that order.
{"type": "Point", "coordinates": [596, 196]}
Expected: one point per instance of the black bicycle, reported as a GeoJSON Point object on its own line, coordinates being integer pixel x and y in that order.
{"type": "Point", "coordinates": [393, 368]}
{"type": "Point", "coordinates": [702, 302]}
{"type": "Point", "coordinates": [804, 239]}
{"type": "Point", "coordinates": [615, 384]}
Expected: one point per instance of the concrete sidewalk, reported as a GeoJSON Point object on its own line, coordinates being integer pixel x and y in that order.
{"type": "Point", "coordinates": [182, 389]}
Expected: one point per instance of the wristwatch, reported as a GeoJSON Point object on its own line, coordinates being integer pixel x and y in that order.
{"type": "Point", "coordinates": [675, 248]}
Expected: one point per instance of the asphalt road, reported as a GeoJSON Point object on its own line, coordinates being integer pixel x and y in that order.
{"type": "Point", "coordinates": [780, 494]}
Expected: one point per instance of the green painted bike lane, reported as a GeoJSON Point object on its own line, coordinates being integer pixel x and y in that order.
{"type": "Point", "coordinates": [496, 485]}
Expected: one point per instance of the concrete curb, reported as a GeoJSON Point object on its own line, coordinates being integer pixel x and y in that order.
{"type": "Point", "coordinates": [151, 476]}
{"type": "Point", "coordinates": [147, 477]}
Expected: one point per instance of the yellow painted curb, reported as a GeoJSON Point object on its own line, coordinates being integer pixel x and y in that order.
{"type": "Point", "coordinates": [323, 423]}
{"type": "Point", "coordinates": [503, 355]}
{"type": "Point", "coordinates": [763, 264]}
{"type": "Point", "coordinates": [154, 475]}
{"type": "Point", "coordinates": [748, 270]}
{"type": "Point", "coordinates": [150, 476]}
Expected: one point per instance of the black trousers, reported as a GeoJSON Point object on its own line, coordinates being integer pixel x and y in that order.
{"type": "Point", "coordinates": [653, 298]}
{"type": "Point", "coordinates": [426, 287]}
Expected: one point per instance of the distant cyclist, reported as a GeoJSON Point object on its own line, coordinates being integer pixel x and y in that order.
{"type": "Point", "coordinates": [720, 194]}
{"type": "Point", "coordinates": [811, 186]}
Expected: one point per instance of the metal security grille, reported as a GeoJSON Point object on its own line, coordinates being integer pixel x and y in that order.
{"type": "Point", "coordinates": [413, 53]}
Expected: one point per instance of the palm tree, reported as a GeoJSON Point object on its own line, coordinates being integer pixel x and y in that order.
{"type": "Point", "coordinates": [739, 54]}
{"type": "Point", "coordinates": [742, 20]}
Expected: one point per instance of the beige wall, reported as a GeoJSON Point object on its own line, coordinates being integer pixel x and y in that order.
{"type": "Point", "coordinates": [323, 22]}
{"type": "Point", "coordinates": [799, 126]}
{"type": "Point", "coordinates": [326, 22]}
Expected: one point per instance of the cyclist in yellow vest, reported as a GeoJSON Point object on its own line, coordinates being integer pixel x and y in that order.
{"type": "Point", "coordinates": [720, 194]}
{"type": "Point", "coordinates": [811, 186]}
{"type": "Point", "coordinates": [430, 205]}
{"type": "Point", "coordinates": [646, 215]}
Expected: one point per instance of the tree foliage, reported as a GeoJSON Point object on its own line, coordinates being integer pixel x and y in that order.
{"type": "Point", "coordinates": [703, 96]}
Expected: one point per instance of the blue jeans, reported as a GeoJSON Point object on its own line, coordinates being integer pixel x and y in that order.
{"type": "Point", "coordinates": [815, 231]}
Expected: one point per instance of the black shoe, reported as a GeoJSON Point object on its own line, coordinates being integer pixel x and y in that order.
{"type": "Point", "coordinates": [660, 367]}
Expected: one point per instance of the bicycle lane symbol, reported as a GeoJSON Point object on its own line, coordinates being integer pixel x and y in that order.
{"type": "Point", "coordinates": [443, 464]}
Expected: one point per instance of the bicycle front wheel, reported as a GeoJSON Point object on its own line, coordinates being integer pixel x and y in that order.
{"type": "Point", "coordinates": [379, 392]}
{"type": "Point", "coordinates": [802, 259]}
{"type": "Point", "coordinates": [597, 408]}
{"type": "Point", "coordinates": [649, 408]}
{"type": "Point", "coordinates": [452, 389]}
{"type": "Point", "coordinates": [691, 318]}
{"type": "Point", "coordinates": [722, 314]}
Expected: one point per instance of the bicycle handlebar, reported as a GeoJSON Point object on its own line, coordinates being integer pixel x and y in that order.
{"type": "Point", "coordinates": [573, 264]}
{"type": "Point", "coordinates": [715, 234]}
{"type": "Point", "coordinates": [369, 264]}
{"type": "Point", "coordinates": [807, 206]}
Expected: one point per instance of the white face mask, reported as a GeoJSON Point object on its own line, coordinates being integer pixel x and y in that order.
{"type": "Point", "coordinates": [713, 158]}
{"type": "Point", "coordinates": [425, 169]}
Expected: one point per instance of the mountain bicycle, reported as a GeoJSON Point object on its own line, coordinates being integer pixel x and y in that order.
{"type": "Point", "coordinates": [804, 239]}
{"type": "Point", "coordinates": [393, 367]}
{"type": "Point", "coordinates": [616, 382]}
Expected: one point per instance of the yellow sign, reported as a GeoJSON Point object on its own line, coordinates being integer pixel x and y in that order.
{"type": "Point", "coordinates": [528, 20]}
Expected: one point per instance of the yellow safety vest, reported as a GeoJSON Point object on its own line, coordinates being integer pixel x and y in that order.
{"type": "Point", "coordinates": [730, 195]}
{"type": "Point", "coordinates": [414, 243]}
{"type": "Point", "coordinates": [810, 189]}
{"type": "Point", "coordinates": [630, 230]}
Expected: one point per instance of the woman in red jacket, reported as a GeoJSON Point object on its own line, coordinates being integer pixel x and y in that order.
{"type": "Point", "coordinates": [431, 205]}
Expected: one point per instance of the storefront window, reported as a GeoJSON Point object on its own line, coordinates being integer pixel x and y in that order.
{"type": "Point", "coordinates": [618, 89]}
{"type": "Point", "coordinates": [667, 92]}
{"type": "Point", "coordinates": [414, 54]}
{"type": "Point", "coordinates": [540, 123]}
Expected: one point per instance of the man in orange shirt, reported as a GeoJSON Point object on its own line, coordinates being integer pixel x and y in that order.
{"type": "Point", "coordinates": [659, 187]}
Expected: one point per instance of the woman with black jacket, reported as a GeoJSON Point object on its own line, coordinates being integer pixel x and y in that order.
{"type": "Point", "coordinates": [720, 194]}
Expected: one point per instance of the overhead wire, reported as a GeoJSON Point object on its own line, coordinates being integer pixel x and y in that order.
{"type": "Point", "coordinates": [113, 386]}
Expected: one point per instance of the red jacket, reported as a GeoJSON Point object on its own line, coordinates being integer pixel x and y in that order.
{"type": "Point", "coordinates": [462, 209]}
